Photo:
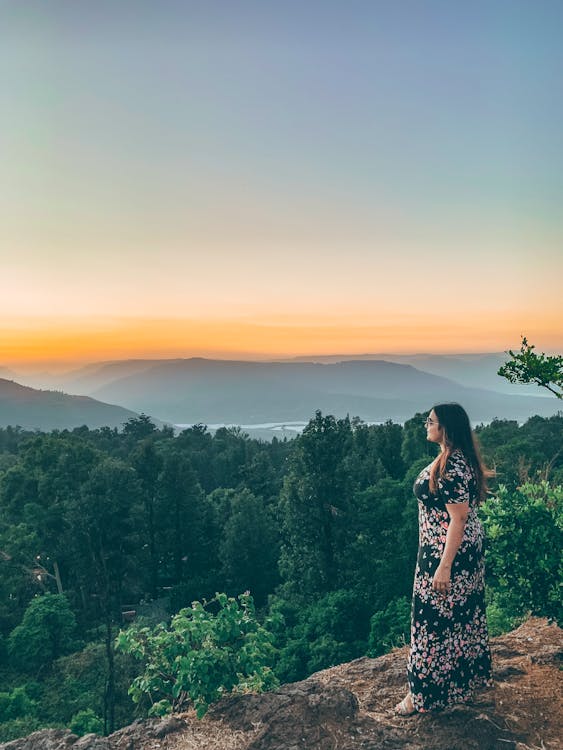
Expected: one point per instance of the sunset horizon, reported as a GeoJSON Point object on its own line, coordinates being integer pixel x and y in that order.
{"type": "Point", "coordinates": [268, 182]}
{"type": "Point", "coordinates": [91, 341]}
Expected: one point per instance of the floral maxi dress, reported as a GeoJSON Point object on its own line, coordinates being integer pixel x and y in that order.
{"type": "Point", "coordinates": [449, 655]}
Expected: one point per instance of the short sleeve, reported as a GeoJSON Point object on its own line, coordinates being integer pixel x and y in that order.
{"type": "Point", "coordinates": [455, 485]}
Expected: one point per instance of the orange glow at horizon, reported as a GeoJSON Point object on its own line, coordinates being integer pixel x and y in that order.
{"type": "Point", "coordinates": [159, 201]}
{"type": "Point", "coordinates": [89, 340]}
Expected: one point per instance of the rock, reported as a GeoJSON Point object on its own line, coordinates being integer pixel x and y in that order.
{"type": "Point", "coordinates": [92, 742]}
{"type": "Point", "coordinates": [44, 739]}
{"type": "Point", "coordinates": [349, 707]}
{"type": "Point", "coordinates": [168, 725]}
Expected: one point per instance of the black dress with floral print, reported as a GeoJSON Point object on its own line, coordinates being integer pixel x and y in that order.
{"type": "Point", "coordinates": [449, 655]}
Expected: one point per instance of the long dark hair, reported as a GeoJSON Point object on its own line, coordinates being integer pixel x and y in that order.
{"type": "Point", "coordinates": [458, 435]}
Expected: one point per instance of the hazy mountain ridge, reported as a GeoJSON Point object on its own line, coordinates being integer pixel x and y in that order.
{"type": "Point", "coordinates": [87, 379]}
{"type": "Point", "coordinates": [186, 391]}
{"type": "Point", "coordinates": [34, 409]}
{"type": "Point", "coordinates": [477, 370]}
{"type": "Point", "coordinates": [474, 370]}
{"type": "Point", "coordinates": [201, 390]}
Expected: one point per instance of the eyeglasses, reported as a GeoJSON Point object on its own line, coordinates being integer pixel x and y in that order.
{"type": "Point", "coordinates": [429, 421]}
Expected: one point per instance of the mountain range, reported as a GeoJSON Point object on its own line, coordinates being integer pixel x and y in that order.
{"type": "Point", "coordinates": [187, 391]}
{"type": "Point", "coordinates": [473, 370]}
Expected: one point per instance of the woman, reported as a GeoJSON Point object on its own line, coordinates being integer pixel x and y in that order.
{"type": "Point", "coordinates": [449, 654]}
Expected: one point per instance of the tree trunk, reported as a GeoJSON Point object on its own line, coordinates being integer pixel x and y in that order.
{"type": "Point", "coordinates": [109, 696]}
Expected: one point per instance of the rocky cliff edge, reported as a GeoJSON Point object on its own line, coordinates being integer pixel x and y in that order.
{"type": "Point", "coordinates": [349, 707]}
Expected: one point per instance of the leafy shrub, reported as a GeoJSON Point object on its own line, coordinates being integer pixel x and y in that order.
{"type": "Point", "coordinates": [500, 614]}
{"type": "Point", "coordinates": [85, 722]}
{"type": "Point", "coordinates": [18, 712]}
{"type": "Point", "coordinates": [15, 704]}
{"type": "Point", "coordinates": [329, 630]}
{"type": "Point", "coordinates": [335, 629]}
{"type": "Point", "coordinates": [202, 655]}
{"type": "Point", "coordinates": [524, 529]}
{"type": "Point", "coordinates": [390, 627]}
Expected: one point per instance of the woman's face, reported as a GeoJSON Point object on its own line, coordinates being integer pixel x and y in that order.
{"type": "Point", "coordinates": [434, 432]}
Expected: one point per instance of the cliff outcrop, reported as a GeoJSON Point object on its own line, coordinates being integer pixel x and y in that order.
{"type": "Point", "coordinates": [349, 707]}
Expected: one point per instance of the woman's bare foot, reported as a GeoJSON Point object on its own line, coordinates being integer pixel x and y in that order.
{"type": "Point", "coordinates": [405, 707]}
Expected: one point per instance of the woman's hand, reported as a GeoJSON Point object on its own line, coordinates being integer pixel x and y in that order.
{"type": "Point", "coordinates": [441, 581]}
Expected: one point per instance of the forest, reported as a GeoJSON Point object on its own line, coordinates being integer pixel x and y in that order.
{"type": "Point", "coordinates": [310, 544]}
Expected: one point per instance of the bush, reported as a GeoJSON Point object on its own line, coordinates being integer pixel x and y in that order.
{"type": "Point", "coordinates": [202, 655]}
{"type": "Point", "coordinates": [16, 704]}
{"type": "Point", "coordinates": [17, 712]}
{"type": "Point", "coordinates": [330, 630]}
{"type": "Point", "coordinates": [524, 529]}
{"type": "Point", "coordinates": [500, 615]}
{"type": "Point", "coordinates": [390, 627]}
{"type": "Point", "coordinates": [85, 722]}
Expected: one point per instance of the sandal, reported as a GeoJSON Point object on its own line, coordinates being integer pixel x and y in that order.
{"type": "Point", "coordinates": [402, 708]}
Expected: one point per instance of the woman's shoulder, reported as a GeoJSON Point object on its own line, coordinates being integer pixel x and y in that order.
{"type": "Point", "coordinates": [457, 463]}
{"type": "Point", "coordinates": [457, 455]}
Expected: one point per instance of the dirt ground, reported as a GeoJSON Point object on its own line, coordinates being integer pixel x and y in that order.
{"type": "Point", "coordinates": [349, 707]}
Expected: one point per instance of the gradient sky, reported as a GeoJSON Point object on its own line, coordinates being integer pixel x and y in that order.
{"type": "Point", "coordinates": [265, 178]}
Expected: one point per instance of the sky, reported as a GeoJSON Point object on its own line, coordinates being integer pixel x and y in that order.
{"type": "Point", "coordinates": [263, 178]}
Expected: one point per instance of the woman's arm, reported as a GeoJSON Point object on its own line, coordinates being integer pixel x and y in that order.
{"type": "Point", "coordinates": [458, 516]}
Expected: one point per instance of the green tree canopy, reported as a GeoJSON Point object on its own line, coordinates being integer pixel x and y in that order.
{"type": "Point", "coordinates": [315, 501]}
{"type": "Point", "coordinates": [249, 547]}
{"type": "Point", "coordinates": [46, 632]}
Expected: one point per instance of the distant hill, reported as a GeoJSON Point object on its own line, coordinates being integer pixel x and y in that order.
{"type": "Point", "coordinates": [217, 391]}
{"type": "Point", "coordinates": [83, 380]}
{"type": "Point", "coordinates": [473, 370]}
{"type": "Point", "coordinates": [90, 378]}
{"type": "Point", "coordinates": [49, 410]}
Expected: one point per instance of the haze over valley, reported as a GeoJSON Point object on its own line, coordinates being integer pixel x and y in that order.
{"type": "Point", "coordinates": [264, 396]}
